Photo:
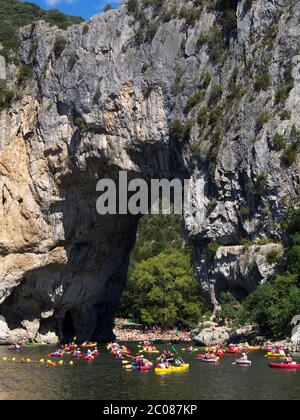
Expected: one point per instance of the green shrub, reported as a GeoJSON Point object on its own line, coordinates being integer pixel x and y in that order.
{"type": "Point", "coordinates": [244, 212]}
{"type": "Point", "coordinates": [202, 117]}
{"type": "Point", "coordinates": [212, 249]}
{"type": "Point", "coordinates": [6, 95]}
{"type": "Point", "coordinates": [132, 6]}
{"type": "Point", "coordinates": [195, 149]}
{"type": "Point", "coordinates": [262, 120]}
{"type": "Point", "coordinates": [194, 100]}
{"type": "Point", "coordinates": [80, 123]}
{"type": "Point", "coordinates": [25, 73]}
{"type": "Point", "coordinates": [181, 132]}
{"type": "Point", "coordinates": [285, 115]}
{"type": "Point", "coordinates": [289, 156]}
{"type": "Point", "coordinates": [59, 45]}
{"type": "Point", "coordinates": [283, 92]}
{"type": "Point", "coordinates": [85, 29]}
{"type": "Point", "coordinates": [216, 94]}
{"type": "Point", "coordinates": [215, 115]}
{"type": "Point", "coordinates": [262, 82]}
{"type": "Point", "coordinates": [279, 142]}
{"type": "Point", "coordinates": [203, 39]}
{"type": "Point", "coordinates": [73, 58]}
{"type": "Point", "coordinates": [190, 14]}
{"type": "Point", "coordinates": [272, 257]}
{"type": "Point", "coordinates": [206, 79]}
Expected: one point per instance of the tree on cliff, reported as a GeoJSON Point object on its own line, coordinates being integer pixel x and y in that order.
{"type": "Point", "coordinates": [274, 305]}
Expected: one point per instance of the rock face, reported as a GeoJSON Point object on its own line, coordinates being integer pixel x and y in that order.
{"type": "Point", "coordinates": [213, 336]}
{"type": "Point", "coordinates": [103, 98]}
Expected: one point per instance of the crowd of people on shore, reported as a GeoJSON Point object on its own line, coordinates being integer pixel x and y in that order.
{"type": "Point", "coordinates": [153, 335]}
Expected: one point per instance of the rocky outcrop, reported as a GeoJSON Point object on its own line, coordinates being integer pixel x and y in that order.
{"type": "Point", "coordinates": [213, 336]}
{"type": "Point", "coordinates": [105, 96]}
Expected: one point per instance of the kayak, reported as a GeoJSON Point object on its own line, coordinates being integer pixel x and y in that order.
{"type": "Point", "coordinates": [254, 348]}
{"type": "Point", "coordinates": [89, 358]}
{"type": "Point", "coordinates": [216, 360]}
{"type": "Point", "coordinates": [88, 345]}
{"type": "Point", "coordinates": [144, 368]}
{"type": "Point", "coordinates": [55, 355]}
{"type": "Point", "coordinates": [149, 351]}
{"type": "Point", "coordinates": [243, 362]}
{"type": "Point", "coordinates": [284, 366]}
{"type": "Point", "coordinates": [190, 350]}
{"type": "Point", "coordinates": [274, 355]}
{"type": "Point", "coordinates": [172, 369]}
{"type": "Point", "coordinates": [71, 347]}
{"type": "Point", "coordinates": [233, 351]}
{"type": "Point", "coordinates": [182, 368]}
{"type": "Point", "coordinates": [28, 344]}
{"type": "Point", "coordinates": [13, 348]}
{"type": "Point", "coordinates": [163, 371]}
{"type": "Point", "coordinates": [77, 356]}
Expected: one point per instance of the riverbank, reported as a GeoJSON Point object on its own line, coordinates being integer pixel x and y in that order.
{"type": "Point", "coordinates": [153, 335]}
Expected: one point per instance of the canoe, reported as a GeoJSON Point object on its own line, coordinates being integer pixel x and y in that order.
{"type": "Point", "coordinates": [284, 366]}
{"type": "Point", "coordinates": [89, 358]}
{"type": "Point", "coordinates": [254, 348]}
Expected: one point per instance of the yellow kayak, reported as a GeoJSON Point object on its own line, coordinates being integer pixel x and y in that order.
{"type": "Point", "coordinates": [149, 351]}
{"type": "Point", "coordinates": [182, 368]}
{"type": "Point", "coordinates": [172, 369]}
{"type": "Point", "coordinates": [254, 348]}
{"type": "Point", "coordinates": [274, 355]}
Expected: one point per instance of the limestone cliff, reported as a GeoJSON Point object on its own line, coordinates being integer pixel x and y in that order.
{"type": "Point", "coordinates": [109, 95]}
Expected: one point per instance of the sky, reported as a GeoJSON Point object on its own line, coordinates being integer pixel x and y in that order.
{"type": "Point", "coordinates": [84, 8]}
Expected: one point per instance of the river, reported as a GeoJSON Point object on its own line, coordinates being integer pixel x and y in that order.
{"type": "Point", "coordinates": [106, 379]}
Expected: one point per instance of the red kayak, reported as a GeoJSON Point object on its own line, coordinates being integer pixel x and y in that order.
{"type": "Point", "coordinates": [284, 366]}
{"type": "Point", "coordinates": [233, 351]}
{"type": "Point", "coordinates": [89, 358]}
{"type": "Point", "coordinates": [55, 355]}
{"type": "Point", "coordinates": [144, 368]}
{"type": "Point", "coordinates": [77, 356]}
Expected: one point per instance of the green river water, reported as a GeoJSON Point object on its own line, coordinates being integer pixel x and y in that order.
{"type": "Point", "coordinates": [106, 379]}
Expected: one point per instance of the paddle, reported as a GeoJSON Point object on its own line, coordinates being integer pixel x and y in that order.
{"type": "Point", "coordinates": [176, 352]}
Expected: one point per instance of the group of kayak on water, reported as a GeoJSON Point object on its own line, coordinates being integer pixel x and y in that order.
{"type": "Point", "coordinates": [167, 360]}
{"type": "Point", "coordinates": [75, 351]}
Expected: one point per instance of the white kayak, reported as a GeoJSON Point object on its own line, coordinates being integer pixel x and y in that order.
{"type": "Point", "coordinates": [216, 360]}
{"type": "Point", "coordinates": [243, 362]}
